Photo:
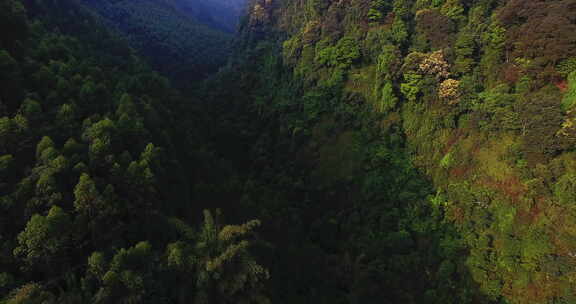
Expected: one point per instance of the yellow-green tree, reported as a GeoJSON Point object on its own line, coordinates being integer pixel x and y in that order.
{"type": "Point", "coordinates": [225, 270]}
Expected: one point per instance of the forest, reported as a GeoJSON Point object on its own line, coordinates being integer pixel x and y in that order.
{"type": "Point", "coordinates": [313, 151]}
{"type": "Point", "coordinates": [185, 40]}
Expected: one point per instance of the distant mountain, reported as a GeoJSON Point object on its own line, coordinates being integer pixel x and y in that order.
{"type": "Point", "coordinates": [220, 14]}
{"type": "Point", "coordinates": [183, 39]}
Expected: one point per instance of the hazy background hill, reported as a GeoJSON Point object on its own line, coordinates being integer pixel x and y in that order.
{"type": "Point", "coordinates": [219, 14]}
{"type": "Point", "coordinates": [183, 39]}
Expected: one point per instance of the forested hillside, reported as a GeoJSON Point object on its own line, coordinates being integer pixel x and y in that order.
{"type": "Point", "coordinates": [222, 14]}
{"type": "Point", "coordinates": [477, 95]}
{"type": "Point", "coordinates": [95, 170]}
{"type": "Point", "coordinates": [185, 40]}
{"type": "Point", "coordinates": [362, 151]}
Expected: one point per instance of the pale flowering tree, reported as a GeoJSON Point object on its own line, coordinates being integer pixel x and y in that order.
{"type": "Point", "coordinates": [436, 65]}
{"type": "Point", "coordinates": [449, 90]}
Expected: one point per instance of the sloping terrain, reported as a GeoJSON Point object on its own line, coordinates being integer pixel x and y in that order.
{"type": "Point", "coordinates": [481, 91]}
{"type": "Point", "coordinates": [95, 173]}
{"type": "Point", "coordinates": [221, 14]}
{"type": "Point", "coordinates": [392, 151]}
{"type": "Point", "coordinates": [183, 40]}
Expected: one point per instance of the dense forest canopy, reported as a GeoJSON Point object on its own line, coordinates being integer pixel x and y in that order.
{"type": "Point", "coordinates": [351, 151]}
{"type": "Point", "coordinates": [184, 39]}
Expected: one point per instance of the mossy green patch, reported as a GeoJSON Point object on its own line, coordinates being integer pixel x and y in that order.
{"type": "Point", "coordinates": [492, 158]}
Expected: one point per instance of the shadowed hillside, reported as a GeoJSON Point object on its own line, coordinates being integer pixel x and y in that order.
{"type": "Point", "coordinates": [186, 40]}
{"type": "Point", "coordinates": [222, 14]}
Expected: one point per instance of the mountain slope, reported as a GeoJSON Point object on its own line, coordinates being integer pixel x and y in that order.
{"type": "Point", "coordinates": [222, 14]}
{"type": "Point", "coordinates": [96, 165]}
{"type": "Point", "coordinates": [482, 92]}
{"type": "Point", "coordinates": [405, 151]}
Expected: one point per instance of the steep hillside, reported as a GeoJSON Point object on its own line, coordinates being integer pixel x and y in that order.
{"type": "Point", "coordinates": [392, 151]}
{"type": "Point", "coordinates": [482, 93]}
{"type": "Point", "coordinates": [96, 163]}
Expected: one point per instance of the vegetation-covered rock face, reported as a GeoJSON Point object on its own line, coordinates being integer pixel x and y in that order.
{"type": "Point", "coordinates": [481, 91]}
{"type": "Point", "coordinates": [363, 151]}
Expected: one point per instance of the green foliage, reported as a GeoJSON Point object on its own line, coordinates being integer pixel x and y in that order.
{"type": "Point", "coordinates": [480, 149]}
{"type": "Point", "coordinates": [570, 96]}
{"type": "Point", "coordinates": [348, 51]}
{"type": "Point", "coordinates": [45, 238]}
{"type": "Point", "coordinates": [325, 143]}
{"type": "Point", "coordinates": [327, 56]}
{"type": "Point", "coordinates": [524, 85]}
{"type": "Point", "coordinates": [43, 145]}
{"type": "Point", "coordinates": [399, 31]}
{"type": "Point", "coordinates": [411, 86]}
{"type": "Point", "coordinates": [536, 247]}
{"type": "Point", "coordinates": [68, 128]}
{"type": "Point", "coordinates": [485, 152]}
{"type": "Point", "coordinates": [567, 66]}
{"type": "Point", "coordinates": [564, 189]}
{"type": "Point", "coordinates": [494, 39]}
{"type": "Point", "coordinates": [125, 278]}
{"type": "Point", "coordinates": [341, 56]}
{"type": "Point", "coordinates": [453, 9]}
{"type": "Point", "coordinates": [221, 261]}
{"type": "Point", "coordinates": [464, 49]}
{"type": "Point", "coordinates": [388, 99]}
{"type": "Point", "coordinates": [173, 35]}
{"type": "Point", "coordinates": [224, 263]}
{"type": "Point", "coordinates": [374, 15]}
{"type": "Point", "coordinates": [377, 10]}
{"type": "Point", "coordinates": [388, 62]}
{"type": "Point", "coordinates": [87, 198]}
{"type": "Point", "coordinates": [499, 104]}
{"type": "Point", "coordinates": [446, 161]}
{"type": "Point", "coordinates": [401, 8]}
